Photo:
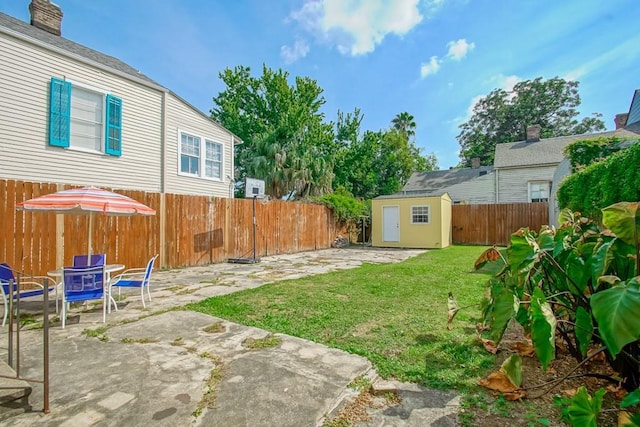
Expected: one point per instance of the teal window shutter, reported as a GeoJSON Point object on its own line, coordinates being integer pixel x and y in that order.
{"type": "Point", "coordinates": [114, 126]}
{"type": "Point", "coordinates": [59, 112]}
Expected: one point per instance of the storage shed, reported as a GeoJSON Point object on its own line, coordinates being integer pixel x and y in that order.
{"type": "Point", "coordinates": [411, 221]}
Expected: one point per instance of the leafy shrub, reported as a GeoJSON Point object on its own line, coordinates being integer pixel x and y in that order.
{"type": "Point", "coordinates": [346, 208]}
{"type": "Point", "coordinates": [578, 284]}
{"type": "Point", "coordinates": [587, 151]}
{"type": "Point", "coordinates": [615, 179]}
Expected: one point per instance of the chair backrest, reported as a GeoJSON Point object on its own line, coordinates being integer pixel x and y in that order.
{"type": "Point", "coordinates": [83, 283]}
{"type": "Point", "coordinates": [147, 273]}
{"type": "Point", "coordinates": [6, 276]}
{"type": "Point", "coordinates": [86, 261]}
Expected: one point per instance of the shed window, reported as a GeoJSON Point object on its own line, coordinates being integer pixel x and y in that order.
{"type": "Point", "coordinates": [420, 214]}
{"type": "Point", "coordinates": [539, 191]}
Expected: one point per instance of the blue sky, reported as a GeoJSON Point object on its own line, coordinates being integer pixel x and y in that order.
{"type": "Point", "coordinates": [432, 58]}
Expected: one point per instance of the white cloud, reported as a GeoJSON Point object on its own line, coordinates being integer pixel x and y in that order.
{"type": "Point", "coordinates": [459, 49]}
{"type": "Point", "coordinates": [431, 67]}
{"type": "Point", "coordinates": [291, 54]}
{"type": "Point", "coordinates": [356, 27]}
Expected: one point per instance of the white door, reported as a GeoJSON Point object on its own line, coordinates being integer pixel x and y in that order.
{"type": "Point", "coordinates": [390, 224]}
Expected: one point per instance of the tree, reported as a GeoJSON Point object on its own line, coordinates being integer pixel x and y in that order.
{"type": "Point", "coordinates": [405, 124]}
{"type": "Point", "coordinates": [503, 116]}
{"type": "Point", "coordinates": [286, 142]}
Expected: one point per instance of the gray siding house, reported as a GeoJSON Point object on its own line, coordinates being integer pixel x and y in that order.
{"type": "Point", "coordinates": [473, 185]}
{"type": "Point", "coordinates": [72, 115]}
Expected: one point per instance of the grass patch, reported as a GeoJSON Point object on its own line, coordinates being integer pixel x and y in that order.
{"type": "Point", "coordinates": [144, 340]}
{"type": "Point", "coordinates": [208, 400]}
{"type": "Point", "coordinates": [215, 328]}
{"type": "Point", "coordinates": [260, 343]}
{"type": "Point", "coordinates": [393, 314]}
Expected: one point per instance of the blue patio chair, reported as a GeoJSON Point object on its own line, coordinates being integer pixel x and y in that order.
{"type": "Point", "coordinates": [81, 284]}
{"type": "Point", "coordinates": [134, 278]}
{"type": "Point", "coordinates": [96, 259]}
{"type": "Point", "coordinates": [31, 287]}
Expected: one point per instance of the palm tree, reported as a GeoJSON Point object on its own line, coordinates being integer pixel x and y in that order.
{"type": "Point", "coordinates": [405, 124]}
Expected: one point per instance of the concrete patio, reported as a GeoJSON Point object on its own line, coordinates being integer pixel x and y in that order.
{"type": "Point", "coordinates": [179, 368]}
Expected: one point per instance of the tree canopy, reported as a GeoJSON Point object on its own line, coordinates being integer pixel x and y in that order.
{"type": "Point", "coordinates": [289, 144]}
{"type": "Point", "coordinates": [503, 116]}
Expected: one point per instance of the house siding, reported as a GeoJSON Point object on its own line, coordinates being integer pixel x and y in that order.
{"type": "Point", "coordinates": [26, 70]}
{"type": "Point", "coordinates": [182, 117]}
{"type": "Point", "coordinates": [479, 190]}
{"type": "Point", "coordinates": [513, 185]}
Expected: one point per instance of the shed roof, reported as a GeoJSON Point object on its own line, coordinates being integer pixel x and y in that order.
{"type": "Point", "coordinates": [412, 195]}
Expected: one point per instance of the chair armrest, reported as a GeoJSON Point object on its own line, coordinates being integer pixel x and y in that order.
{"type": "Point", "coordinates": [128, 274]}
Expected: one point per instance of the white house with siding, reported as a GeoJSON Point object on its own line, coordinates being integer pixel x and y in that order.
{"type": "Point", "coordinates": [72, 115]}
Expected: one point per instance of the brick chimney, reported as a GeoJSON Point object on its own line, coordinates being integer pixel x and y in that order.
{"type": "Point", "coordinates": [533, 133]}
{"type": "Point", "coordinates": [475, 162]}
{"type": "Point", "coordinates": [621, 120]}
{"type": "Point", "coordinates": [46, 16]}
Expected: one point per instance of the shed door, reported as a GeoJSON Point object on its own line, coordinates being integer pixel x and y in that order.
{"type": "Point", "coordinates": [390, 224]}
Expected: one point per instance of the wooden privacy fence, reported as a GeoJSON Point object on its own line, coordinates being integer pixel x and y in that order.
{"type": "Point", "coordinates": [186, 230]}
{"type": "Point", "coordinates": [494, 224]}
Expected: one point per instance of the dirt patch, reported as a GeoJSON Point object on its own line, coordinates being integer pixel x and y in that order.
{"type": "Point", "coordinates": [543, 404]}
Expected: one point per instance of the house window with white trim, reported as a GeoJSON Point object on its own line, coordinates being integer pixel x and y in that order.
{"type": "Point", "coordinates": [420, 214]}
{"type": "Point", "coordinates": [199, 156]}
{"type": "Point", "coordinates": [84, 118]}
{"type": "Point", "coordinates": [213, 160]}
{"type": "Point", "coordinates": [539, 191]}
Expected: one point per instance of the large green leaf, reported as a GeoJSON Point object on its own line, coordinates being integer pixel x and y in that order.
{"type": "Point", "coordinates": [543, 328]}
{"type": "Point", "coordinates": [512, 369]}
{"type": "Point", "coordinates": [503, 309]}
{"type": "Point", "coordinates": [616, 312]}
{"type": "Point", "coordinates": [520, 253]}
{"type": "Point", "coordinates": [578, 272]}
{"type": "Point", "coordinates": [631, 399]}
{"type": "Point", "coordinates": [583, 330]}
{"type": "Point", "coordinates": [601, 259]}
{"type": "Point", "coordinates": [584, 410]}
{"type": "Point", "coordinates": [623, 219]}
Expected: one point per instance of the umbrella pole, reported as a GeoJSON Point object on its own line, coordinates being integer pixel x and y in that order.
{"type": "Point", "coordinates": [90, 236]}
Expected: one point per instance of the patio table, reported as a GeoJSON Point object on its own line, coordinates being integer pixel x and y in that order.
{"type": "Point", "coordinates": [108, 269]}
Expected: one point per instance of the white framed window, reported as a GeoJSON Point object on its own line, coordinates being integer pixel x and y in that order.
{"type": "Point", "coordinates": [87, 119]}
{"type": "Point", "coordinates": [84, 118]}
{"type": "Point", "coordinates": [538, 191]}
{"type": "Point", "coordinates": [199, 156]}
{"type": "Point", "coordinates": [420, 214]}
{"type": "Point", "coordinates": [213, 160]}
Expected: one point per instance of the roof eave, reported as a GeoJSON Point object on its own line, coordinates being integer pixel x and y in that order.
{"type": "Point", "coordinates": [39, 43]}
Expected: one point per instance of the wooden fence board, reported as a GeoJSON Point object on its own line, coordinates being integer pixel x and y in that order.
{"type": "Point", "coordinates": [494, 224]}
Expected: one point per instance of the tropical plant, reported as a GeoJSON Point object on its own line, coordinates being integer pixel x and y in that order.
{"type": "Point", "coordinates": [578, 284]}
{"type": "Point", "coordinates": [405, 124]}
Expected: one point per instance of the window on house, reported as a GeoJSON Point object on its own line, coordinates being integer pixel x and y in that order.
{"type": "Point", "coordinates": [420, 214]}
{"type": "Point", "coordinates": [213, 160]}
{"type": "Point", "coordinates": [84, 118]}
{"type": "Point", "coordinates": [539, 191]}
{"type": "Point", "coordinates": [189, 154]}
{"type": "Point", "coordinates": [198, 158]}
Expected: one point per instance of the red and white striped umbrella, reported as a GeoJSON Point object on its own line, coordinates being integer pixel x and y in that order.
{"type": "Point", "coordinates": [86, 201]}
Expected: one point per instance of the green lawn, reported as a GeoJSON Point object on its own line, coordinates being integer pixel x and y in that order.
{"type": "Point", "coordinates": [393, 314]}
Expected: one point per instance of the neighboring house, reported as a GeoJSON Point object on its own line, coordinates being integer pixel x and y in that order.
{"type": "Point", "coordinates": [72, 115]}
{"type": "Point", "coordinates": [410, 221]}
{"type": "Point", "coordinates": [473, 185]}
